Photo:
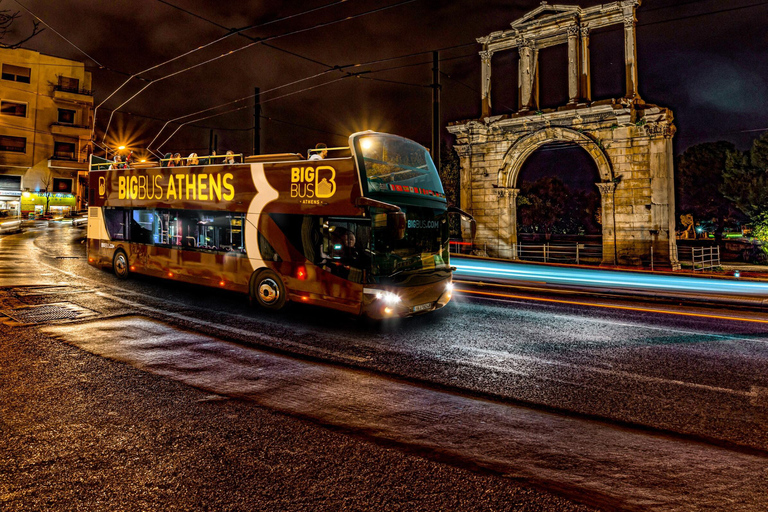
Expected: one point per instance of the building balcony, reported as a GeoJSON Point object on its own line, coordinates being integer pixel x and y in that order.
{"type": "Point", "coordinates": [71, 130]}
{"type": "Point", "coordinates": [73, 95]}
{"type": "Point", "coordinates": [64, 162]}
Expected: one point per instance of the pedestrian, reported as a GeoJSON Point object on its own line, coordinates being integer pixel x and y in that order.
{"type": "Point", "coordinates": [320, 152]}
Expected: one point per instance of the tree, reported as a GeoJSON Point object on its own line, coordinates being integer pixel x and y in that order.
{"type": "Point", "coordinates": [745, 179]}
{"type": "Point", "coordinates": [540, 204]}
{"type": "Point", "coordinates": [7, 19]}
{"type": "Point", "coordinates": [450, 175]}
{"type": "Point", "coordinates": [47, 181]}
{"type": "Point", "coordinates": [450, 168]}
{"type": "Point", "coordinates": [700, 180]}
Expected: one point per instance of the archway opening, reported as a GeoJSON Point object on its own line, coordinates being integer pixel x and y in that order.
{"type": "Point", "coordinates": [559, 216]}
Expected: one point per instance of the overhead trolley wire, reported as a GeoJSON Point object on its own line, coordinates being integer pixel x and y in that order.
{"type": "Point", "coordinates": [260, 41]}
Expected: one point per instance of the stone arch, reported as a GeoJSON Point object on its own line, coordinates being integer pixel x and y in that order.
{"type": "Point", "coordinates": [525, 146]}
{"type": "Point", "coordinates": [513, 162]}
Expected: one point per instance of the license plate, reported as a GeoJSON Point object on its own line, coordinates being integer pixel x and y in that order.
{"type": "Point", "coordinates": [422, 307]}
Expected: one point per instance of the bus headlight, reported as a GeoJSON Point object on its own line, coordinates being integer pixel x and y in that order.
{"type": "Point", "coordinates": [389, 298]}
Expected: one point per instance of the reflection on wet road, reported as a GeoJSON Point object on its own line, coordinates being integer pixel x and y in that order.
{"type": "Point", "coordinates": [592, 457]}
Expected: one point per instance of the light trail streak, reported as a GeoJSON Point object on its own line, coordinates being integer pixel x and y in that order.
{"type": "Point", "coordinates": [606, 278]}
{"type": "Point", "coordinates": [611, 306]}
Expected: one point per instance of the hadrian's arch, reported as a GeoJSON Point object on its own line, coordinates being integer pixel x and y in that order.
{"type": "Point", "coordinates": [630, 140]}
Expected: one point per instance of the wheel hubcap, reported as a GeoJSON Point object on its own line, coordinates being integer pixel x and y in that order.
{"type": "Point", "coordinates": [269, 292]}
{"type": "Point", "coordinates": [121, 264]}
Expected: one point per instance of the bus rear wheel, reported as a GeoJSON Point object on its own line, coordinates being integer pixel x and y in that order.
{"type": "Point", "coordinates": [120, 264]}
{"type": "Point", "coordinates": [269, 291]}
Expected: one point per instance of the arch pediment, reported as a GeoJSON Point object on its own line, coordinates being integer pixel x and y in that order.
{"type": "Point", "coordinates": [544, 11]}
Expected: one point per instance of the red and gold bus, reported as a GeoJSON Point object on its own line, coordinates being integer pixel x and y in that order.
{"type": "Point", "coordinates": [365, 233]}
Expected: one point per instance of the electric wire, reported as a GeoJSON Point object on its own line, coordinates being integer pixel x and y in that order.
{"type": "Point", "coordinates": [58, 33]}
{"type": "Point", "coordinates": [231, 33]}
{"type": "Point", "coordinates": [260, 41]}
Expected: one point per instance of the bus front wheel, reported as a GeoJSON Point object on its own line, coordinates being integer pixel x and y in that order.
{"type": "Point", "coordinates": [120, 265]}
{"type": "Point", "coordinates": [269, 291]}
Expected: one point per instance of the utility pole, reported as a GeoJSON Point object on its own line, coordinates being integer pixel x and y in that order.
{"type": "Point", "coordinates": [257, 123]}
{"type": "Point", "coordinates": [436, 109]}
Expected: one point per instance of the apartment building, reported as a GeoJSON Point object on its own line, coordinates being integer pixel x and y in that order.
{"type": "Point", "coordinates": [46, 113]}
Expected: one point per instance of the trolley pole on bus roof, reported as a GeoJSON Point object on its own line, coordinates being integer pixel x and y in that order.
{"type": "Point", "coordinates": [257, 123]}
{"type": "Point", "coordinates": [436, 109]}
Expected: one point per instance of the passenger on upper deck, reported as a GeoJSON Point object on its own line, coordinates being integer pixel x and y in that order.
{"type": "Point", "coordinates": [167, 161]}
{"type": "Point", "coordinates": [229, 158]}
{"type": "Point", "coordinates": [192, 159]}
{"type": "Point", "coordinates": [321, 152]}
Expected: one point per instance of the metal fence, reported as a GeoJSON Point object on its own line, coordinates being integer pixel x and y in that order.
{"type": "Point", "coordinates": [700, 258]}
{"type": "Point", "coordinates": [560, 252]}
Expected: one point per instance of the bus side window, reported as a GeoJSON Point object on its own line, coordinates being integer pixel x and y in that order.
{"type": "Point", "coordinates": [142, 224]}
{"type": "Point", "coordinates": [115, 220]}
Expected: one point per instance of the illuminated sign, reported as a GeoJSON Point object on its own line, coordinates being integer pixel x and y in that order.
{"type": "Point", "coordinates": [311, 182]}
{"type": "Point", "coordinates": [198, 187]}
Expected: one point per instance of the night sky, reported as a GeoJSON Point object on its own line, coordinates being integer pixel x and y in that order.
{"type": "Point", "coordinates": [705, 59]}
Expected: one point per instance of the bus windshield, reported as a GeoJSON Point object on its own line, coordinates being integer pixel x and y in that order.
{"type": "Point", "coordinates": [394, 165]}
{"type": "Point", "coordinates": [424, 246]}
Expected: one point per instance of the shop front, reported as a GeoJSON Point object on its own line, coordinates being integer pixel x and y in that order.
{"type": "Point", "coordinates": [59, 204]}
{"type": "Point", "coordinates": [10, 200]}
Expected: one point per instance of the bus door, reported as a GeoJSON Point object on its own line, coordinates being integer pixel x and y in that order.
{"type": "Point", "coordinates": [345, 253]}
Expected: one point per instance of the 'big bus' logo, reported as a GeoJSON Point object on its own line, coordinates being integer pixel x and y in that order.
{"type": "Point", "coordinates": [311, 182]}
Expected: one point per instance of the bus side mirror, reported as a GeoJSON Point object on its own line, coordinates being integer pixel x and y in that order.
{"type": "Point", "coordinates": [396, 223]}
{"type": "Point", "coordinates": [465, 216]}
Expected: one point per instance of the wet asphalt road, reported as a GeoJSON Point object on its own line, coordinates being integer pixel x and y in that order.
{"type": "Point", "coordinates": [680, 374]}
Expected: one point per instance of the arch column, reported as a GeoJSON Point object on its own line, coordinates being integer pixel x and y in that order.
{"type": "Point", "coordinates": [630, 55]}
{"type": "Point", "coordinates": [574, 93]}
{"type": "Point", "coordinates": [485, 70]}
{"type": "Point", "coordinates": [608, 220]}
{"type": "Point", "coordinates": [527, 76]}
{"type": "Point", "coordinates": [585, 82]}
{"type": "Point", "coordinates": [508, 222]}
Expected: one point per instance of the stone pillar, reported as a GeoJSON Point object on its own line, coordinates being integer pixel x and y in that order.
{"type": "Point", "coordinates": [585, 82]}
{"type": "Point", "coordinates": [607, 205]}
{"type": "Point", "coordinates": [507, 222]}
{"type": "Point", "coordinates": [485, 86]}
{"type": "Point", "coordinates": [512, 193]}
{"type": "Point", "coordinates": [573, 65]}
{"type": "Point", "coordinates": [527, 76]}
{"type": "Point", "coordinates": [630, 53]}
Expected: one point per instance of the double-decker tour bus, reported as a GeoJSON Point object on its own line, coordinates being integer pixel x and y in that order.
{"type": "Point", "coordinates": [365, 233]}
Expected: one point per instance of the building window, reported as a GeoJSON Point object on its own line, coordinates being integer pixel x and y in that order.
{"type": "Point", "coordinates": [16, 73]}
{"type": "Point", "coordinates": [69, 84]}
{"type": "Point", "coordinates": [13, 108]}
{"type": "Point", "coordinates": [64, 150]}
{"type": "Point", "coordinates": [62, 186]}
{"type": "Point", "coordinates": [15, 144]}
{"type": "Point", "coordinates": [66, 116]}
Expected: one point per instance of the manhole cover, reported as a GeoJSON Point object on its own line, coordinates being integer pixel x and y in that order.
{"type": "Point", "coordinates": [47, 313]}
